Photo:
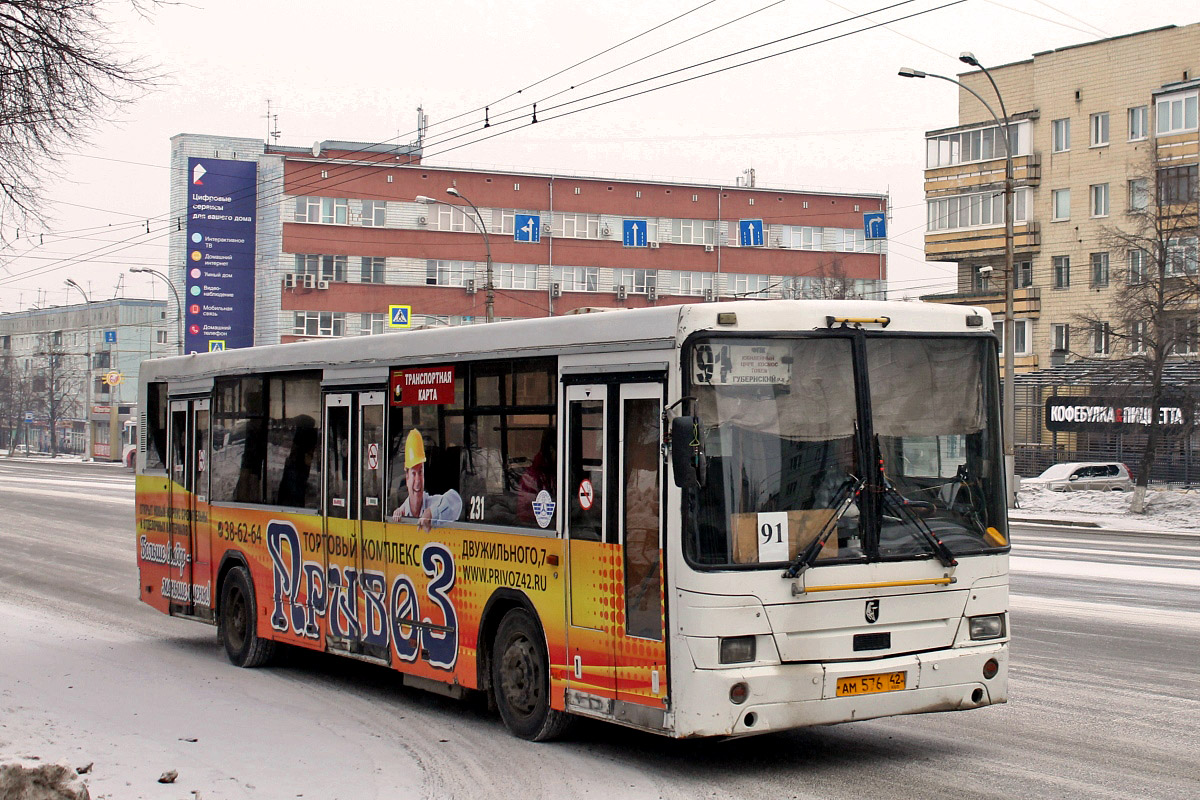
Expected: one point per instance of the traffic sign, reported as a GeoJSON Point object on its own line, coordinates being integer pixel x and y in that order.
{"type": "Point", "coordinates": [527, 228]}
{"type": "Point", "coordinates": [399, 316]}
{"type": "Point", "coordinates": [633, 232]}
{"type": "Point", "coordinates": [29, 416]}
{"type": "Point", "coordinates": [110, 337]}
{"type": "Point", "coordinates": [216, 345]}
{"type": "Point", "coordinates": [113, 378]}
{"type": "Point", "coordinates": [750, 232]}
{"type": "Point", "coordinates": [875, 225]}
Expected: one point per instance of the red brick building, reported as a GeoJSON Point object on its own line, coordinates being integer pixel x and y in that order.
{"type": "Point", "coordinates": [341, 237]}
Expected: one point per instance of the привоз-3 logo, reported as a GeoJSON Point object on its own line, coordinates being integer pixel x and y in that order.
{"type": "Point", "coordinates": [872, 612]}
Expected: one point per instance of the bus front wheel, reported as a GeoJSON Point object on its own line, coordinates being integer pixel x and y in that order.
{"type": "Point", "coordinates": [238, 622]}
{"type": "Point", "coordinates": [521, 679]}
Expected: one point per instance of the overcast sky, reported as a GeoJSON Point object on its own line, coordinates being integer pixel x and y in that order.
{"type": "Point", "coordinates": [832, 115]}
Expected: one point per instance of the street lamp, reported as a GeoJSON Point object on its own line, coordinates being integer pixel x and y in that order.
{"type": "Point", "coordinates": [1009, 412]}
{"type": "Point", "coordinates": [87, 412]}
{"type": "Point", "coordinates": [490, 303]}
{"type": "Point", "coordinates": [178, 305]}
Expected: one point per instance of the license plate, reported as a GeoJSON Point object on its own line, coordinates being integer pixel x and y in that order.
{"type": "Point", "coordinates": [871, 684]}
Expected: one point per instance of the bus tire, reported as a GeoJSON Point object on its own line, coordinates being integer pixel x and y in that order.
{"type": "Point", "coordinates": [238, 622]}
{"type": "Point", "coordinates": [521, 679]}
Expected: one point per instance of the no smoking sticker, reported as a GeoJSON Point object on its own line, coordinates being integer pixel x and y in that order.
{"type": "Point", "coordinates": [586, 494]}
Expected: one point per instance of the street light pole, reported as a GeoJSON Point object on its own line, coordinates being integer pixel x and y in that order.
{"type": "Point", "coordinates": [1008, 412]}
{"type": "Point", "coordinates": [490, 303]}
{"type": "Point", "coordinates": [87, 412]}
{"type": "Point", "coordinates": [178, 305]}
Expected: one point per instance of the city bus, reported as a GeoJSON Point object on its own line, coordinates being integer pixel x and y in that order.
{"type": "Point", "coordinates": [710, 519]}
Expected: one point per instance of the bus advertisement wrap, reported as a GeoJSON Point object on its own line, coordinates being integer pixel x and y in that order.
{"type": "Point", "coordinates": [222, 198]}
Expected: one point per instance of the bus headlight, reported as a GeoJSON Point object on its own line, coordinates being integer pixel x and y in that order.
{"type": "Point", "coordinates": [737, 649]}
{"type": "Point", "coordinates": [990, 626]}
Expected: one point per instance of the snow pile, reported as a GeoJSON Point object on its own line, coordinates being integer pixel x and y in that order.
{"type": "Point", "coordinates": [33, 781]}
{"type": "Point", "coordinates": [1166, 509]}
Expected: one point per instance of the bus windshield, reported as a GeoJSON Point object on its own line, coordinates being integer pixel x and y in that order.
{"type": "Point", "coordinates": [788, 437]}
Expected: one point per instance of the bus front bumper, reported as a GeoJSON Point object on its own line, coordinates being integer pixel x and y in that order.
{"type": "Point", "coordinates": [788, 696]}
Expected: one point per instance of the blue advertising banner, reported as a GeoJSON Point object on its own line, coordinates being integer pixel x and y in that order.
{"type": "Point", "coordinates": [222, 196]}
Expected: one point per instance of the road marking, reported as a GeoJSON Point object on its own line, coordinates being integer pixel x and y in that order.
{"type": "Point", "coordinates": [98, 498]}
{"type": "Point", "coordinates": [1138, 615]}
{"type": "Point", "coordinates": [1094, 552]}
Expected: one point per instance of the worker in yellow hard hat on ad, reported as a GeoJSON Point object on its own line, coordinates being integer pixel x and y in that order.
{"type": "Point", "coordinates": [427, 509]}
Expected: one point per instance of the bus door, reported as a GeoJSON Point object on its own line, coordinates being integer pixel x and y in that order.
{"type": "Point", "coordinates": [340, 520]}
{"type": "Point", "coordinates": [372, 552]}
{"type": "Point", "coordinates": [613, 489]}
{"type": "Point", "coordinates": [190, 548]}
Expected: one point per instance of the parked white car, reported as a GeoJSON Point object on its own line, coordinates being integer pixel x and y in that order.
{"type": "Point", "coordinates": [1107, 475]}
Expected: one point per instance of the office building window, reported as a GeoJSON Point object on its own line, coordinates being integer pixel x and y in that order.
{"type": "Point", "coordinates": [1062, 272]}
{"type": "Point", "coordinates": [1061, 201]}
{"type": "Point", "coordinates": [371, 269]}
{"type": "Point", "coordinates": [372, 324]}
{"type": "Point", "coordinates": [1138, 123]}
{"type": "Point", "coordinates": [968, 211]}
{"type": "Point", "coordinates": [161, 337]}
{"type": "Point", "coordinates": [577, 226]}
{"type": "Point", "coordinates": [1060, 131]}
{"type": "Point", "coordinates": [515, 276]}
{"type": "Point", "coordinates": [577, 279]}
{"type": "Point", "coordinates": [1100, 200]}
{"type": "Point", "coordinates": [1100, 129]}
{"type": "Point", "coordinates": [1175, 114]}
{"type": "Point", "coordinates": [693, 231]}
{"type": "Point", "coordinates": [1183, 332]}
{"type": "Point", "coordinates": [374, 213]}
{"type": "Point", "coordinates": [325, 210]}
{"type": "Point", "coordinates": [981, 144]}
{"type": "Point", "coordinates": [448, 273]}
{"type": "Point", "coordinates": [636, 281]}
{"type": "Point", "coordinates": [319, 323]}
{"type": "Point", "coordinates": [1101, 335]}
{"type": "Point", "coordinates": [751, 285]}
{"type": "Point", "coordinates": [323, 268]}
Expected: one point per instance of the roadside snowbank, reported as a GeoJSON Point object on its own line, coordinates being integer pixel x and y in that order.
{"type": "Point", "coordinates": [1166, 509]}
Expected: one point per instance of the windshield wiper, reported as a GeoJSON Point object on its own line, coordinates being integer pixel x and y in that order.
{"type": "Point", "coordinates": [900, 503]}
{"type": "Point", "coordinates": [843, 498]}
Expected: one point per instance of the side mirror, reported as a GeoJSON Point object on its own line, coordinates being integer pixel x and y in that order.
{"type": "Point", "coordinates": [687, 452]}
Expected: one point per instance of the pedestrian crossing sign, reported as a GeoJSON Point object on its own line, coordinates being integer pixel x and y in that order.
{"type": "Point", "coordinates": [399, 316]}
{"type": "Point", "coordinates": [216, 345]}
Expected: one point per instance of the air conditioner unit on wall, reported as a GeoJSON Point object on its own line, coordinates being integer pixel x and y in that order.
{"type": "Point", "coordinates": [653, 245]}
{"type": "Point", "coordinates": [309, 281]}
{"type": "Point", "coordinates": [546, 227]}
{"type": "Point", "coordinates": [421, 220]}
{"type": "Point", "coordinates": [322, 284]}
{"type": "Point", "coordinates": [621, 292]}
{"type": "Point", "coordinates": [652, 293]}
{"type": "Point", "coordinates": [709, 294]}
{"type": "Point", "coordinates": [708, 248]}
{"type": "Point", "coordinates": [470, 286]}
{"type": "Point", "coordinates": [606, 231]}
{"type": "Point", "coordinates": [289, 280]}
{"type": "Point", "coordinates": [556, 289]}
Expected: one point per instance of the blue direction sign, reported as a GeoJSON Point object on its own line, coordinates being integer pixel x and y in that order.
{"type": "Point", "coordinates": [110, 337]}
{"type": "Point", "coordinates": [875, 225]}
{"type": "Point", "coordinates": [750, 232]}
{"type": "Point", "coordinates": [633, 232]}
{"type": "Point", "coordinates": [399, 316]}
{"type": "Point", "coordinates": [528, 228]}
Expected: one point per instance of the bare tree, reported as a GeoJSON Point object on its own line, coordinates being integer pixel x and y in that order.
{"type": "Point", "coordinates": [1154, 314]}
{"type": "Point", "coordinates": [16, 398]}
{"type": "Point", "coordinates": [59, 76]}
{"type": "Point", "coordinates": [831, 281]}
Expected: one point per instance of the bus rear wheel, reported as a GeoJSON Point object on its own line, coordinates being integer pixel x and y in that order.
{"type": "Point", "coordinates": [238, 622]}
{"type": "Point", "coordinates": [521, 679]}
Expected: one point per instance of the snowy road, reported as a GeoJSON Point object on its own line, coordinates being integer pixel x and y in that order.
{"type": "Point", "coordinates": [1103, 679]}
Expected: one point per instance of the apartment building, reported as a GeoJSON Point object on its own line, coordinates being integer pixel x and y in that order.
{"type": "Point", "coordinates": [276, 243]}
{"type": "Point", "coordinates": [44, 360]}
{"type": "Point", "coordinates": [1094, 128]}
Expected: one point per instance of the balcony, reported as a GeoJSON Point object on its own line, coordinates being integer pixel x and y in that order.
{"type": "Point", "coordinates": [1027, 303]}
{"type": "Point", "coordinates": [969, 243]}
{"type": "Point", "coordinates": [960, 178]}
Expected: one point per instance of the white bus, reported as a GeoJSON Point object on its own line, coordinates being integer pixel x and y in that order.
{"type": "Point", "coordinates": [717, 519]}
